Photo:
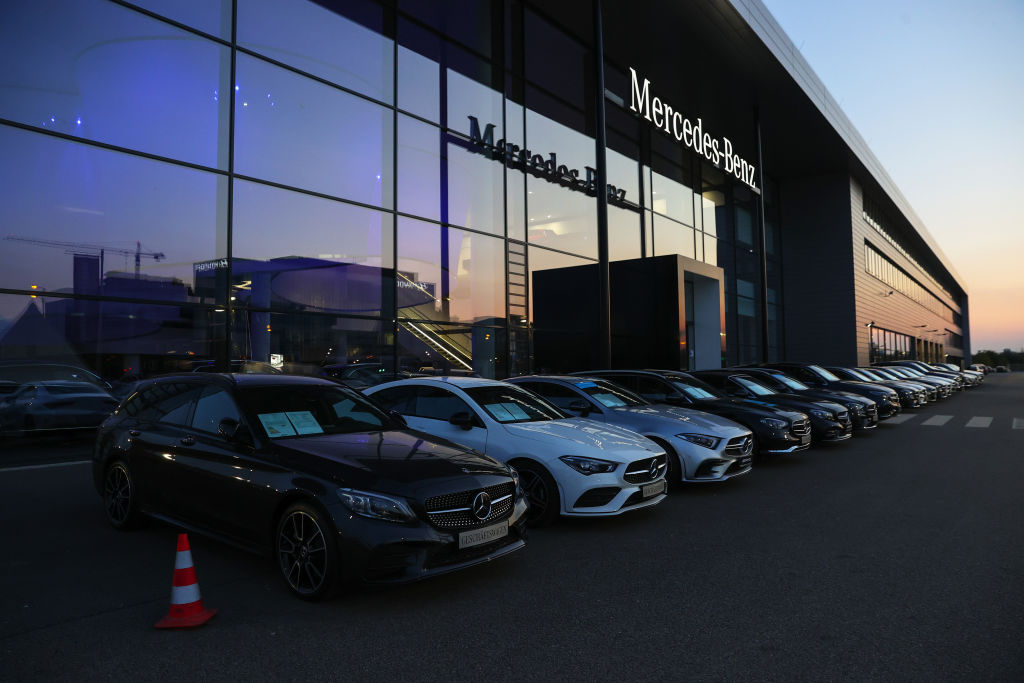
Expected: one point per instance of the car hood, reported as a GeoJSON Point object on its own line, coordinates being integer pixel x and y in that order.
{"type": "Point", "coordinates": [836, 395]}
{"type": "Point", "coordinates": [747, 408]}
{"type": "Point", "coordinates": [395, 461]}
{"type": "Point", "coordinates": [674, 417]}
{"type": "Point", "coordinates": [612, 441]}
{"type": "Point", "coordinates": [803, 403]}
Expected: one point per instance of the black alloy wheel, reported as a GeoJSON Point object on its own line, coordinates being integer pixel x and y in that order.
{"type": "Point", "coordinates": [119, 497]}
{"type": "Point", "coordinates": [541, 493]}
{"type": "Point", "coordinates": [306, 552]}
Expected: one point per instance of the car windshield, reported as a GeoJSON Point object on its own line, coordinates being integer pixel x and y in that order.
{"type": "Point", "coordinates": [823, 373]}
{"type": "Point", "coordinates": [696, 390]}
{"type": "Point", "coordinates": [512, 404]}
{"type": "Point", "coordinates": [863, 376]}
{"type": "Point", "coordinates": [753, 387]}
{"type": "Point", "coordinates": [789, 381]}
{"type": "Point", "coordinates": [609, 395]}
{"type": "Point", "coordinates": [885, 373]}
{"type": "Point", "coordinates": [913, 372]}
{"type": "Point", "coordinates": [293, 410]}
{"type": "Point", "coordinates": [870, 374]}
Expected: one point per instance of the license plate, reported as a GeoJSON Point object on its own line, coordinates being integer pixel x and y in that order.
{"type": "Point", "coordinates": [468, 539]}
{"type": "Point", "coordinates": [805, 439]}
{"type": "Point", "coordinates": [654, 489]}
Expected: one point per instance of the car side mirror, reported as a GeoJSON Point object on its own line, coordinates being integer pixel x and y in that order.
{"type": "Point", "coordinates": [462, 419]}
{"type": "Point", "coordinates": [233, 431]}
{"type": "Point", "coordinates": [398, 417]}
{"type": "Point", "coordinates": [580, 406]}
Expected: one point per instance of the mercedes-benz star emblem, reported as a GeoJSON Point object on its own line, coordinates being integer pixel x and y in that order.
{"type": "Point", "coordinates": [654, 469]}
{"type": "Point", "coordinates": [482, 506]}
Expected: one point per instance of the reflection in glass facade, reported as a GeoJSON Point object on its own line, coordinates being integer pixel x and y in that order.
{"type": "Point", "coordinates": [309, 196]}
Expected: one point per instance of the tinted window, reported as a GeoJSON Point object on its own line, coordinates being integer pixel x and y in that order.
{"type": "Point", "coordinates": [610, 395]}
{"type": "Point", "coordinates": [437, 404]}
{"type": "Point", "coordinates": [395, 398]}
{"type": "Point", "coordinates": [213, 406]}
{"type": "Point", "coordinates": [557, 394]}
{"type": "Point", "coordinates": [754, 387]}
{"type": "Point", "coordinates": [652, 388]}
{"type": "Point", "coordinates": [170, 403]}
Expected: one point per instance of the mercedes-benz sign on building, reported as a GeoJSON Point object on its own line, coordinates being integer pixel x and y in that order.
{"type": "Point", "coordinates": [498, 186]}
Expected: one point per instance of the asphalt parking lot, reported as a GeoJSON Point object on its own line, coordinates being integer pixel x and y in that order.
{"type": "Point", "coordinates": [896, 555]}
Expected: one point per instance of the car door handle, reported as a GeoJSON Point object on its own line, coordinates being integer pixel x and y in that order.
{"type": "Point", "coordinates": [188, 441]}
{"type": "Point", "coordinates": [134, 432]}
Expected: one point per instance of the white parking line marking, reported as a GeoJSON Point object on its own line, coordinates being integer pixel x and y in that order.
{"type": "Point", "coordinates": [979, 422]}
{"type": "Point", "coordinates": [1018, 423]}
{"type": "Point", "coordinates": [937, 420]}
{"type": "Point", "coordinates": [900, 419]}
{"type": "Point", "coordinates": [43, 467]}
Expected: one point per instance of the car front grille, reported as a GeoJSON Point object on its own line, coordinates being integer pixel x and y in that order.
{"type": "Point", "coordinates": [801, 427]}
{"type": "Point", "coordinates": [595, 498]}
{"type": "Point", "coordinates": [843, 417]}
{"type": "Point", "coordinates": [455, 510]}
{"type": "Point", "coordinates": [739, 446]}
{"type": "Point", "coordinates": [872, 411]}
{"type": "Point", "coordinates": [640, 471]}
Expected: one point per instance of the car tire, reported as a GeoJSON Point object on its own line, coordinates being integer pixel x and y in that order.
{"type": "Point", "coordinates": [675, 471]}
{"type": "Point", "coordinates": [541, 493]}
{"type": "Point", "coordinates": [121, 497]}
{"type": "Point", "coordinates": [307, 552]}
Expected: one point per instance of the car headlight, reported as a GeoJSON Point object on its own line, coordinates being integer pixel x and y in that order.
{"type": "Point", "coordinates": [701, 439]}
{"type": "Point", "coordinates": [588, 466]}
{"type": "Point", "coordinates": [774, 423]}
{"type": "Point", "coordinates": [376, 505]}
{"type": "Point", "coordinates": [515, 478]}
{"type": "Point", "coordinates": [856, 408]}
{"type": "Point", "coordinates": [823, 414]}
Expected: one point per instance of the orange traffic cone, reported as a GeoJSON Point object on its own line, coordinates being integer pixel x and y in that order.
{"type": "Point", "coordinates": [186, 604]}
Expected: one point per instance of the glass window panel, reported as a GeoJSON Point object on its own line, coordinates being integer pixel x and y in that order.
{"type": "Point", "coordinates": [446, 349]}
{"type": "Point", "coordinates": [622, 173]}
{"type": "Point", "coordinates": [297, 251]}
{"type": "Point", "coordinates": [287, 130]}
{"type": "Point", "coordinates": [419, 82]}
{"type": "Point", "coordinates": [419, 168]}
{"type": "Point", "coordinates": [319, 41]}
{"type": "Point", "coordinates": [515, 181]}
{"type": "Point", "coordinates": [672, 198]}
{"type": "Point", "coordinates": [475, 196]}
{"type": "Point", "coordinates": [305, 344]}
{"type": "Point", "coordinates": [117, 340]}
{"type": "Point", "coordinates": [448, 274]}
{"type": "Point", "coordinates": [99, 71]}
{"type": "Point", "coordinates": [649, 233]}
{"type": "Point", "coordinates": [90, 211]}
{"type": "Point", "coordinates": [672, 238]}
{"type": "Point", "coordinates": [711, 250]}
{"type": "Point", "coordinates": [210, 16]}
{"type": "Point", "coordinates": [467, 97]}
{"type": "Point", "coordinates": [561, 218]}
{"type": "Point", "coordinates": [623, 234]}
{"type": "Point", "coordinates": [709, 201]}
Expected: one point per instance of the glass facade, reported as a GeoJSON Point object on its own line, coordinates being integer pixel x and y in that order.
{"type": "Point", "coordinates": [310, 186]}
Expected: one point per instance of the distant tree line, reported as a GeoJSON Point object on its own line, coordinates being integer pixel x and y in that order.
{"type": "Point", "coordinates": [1011, 359]}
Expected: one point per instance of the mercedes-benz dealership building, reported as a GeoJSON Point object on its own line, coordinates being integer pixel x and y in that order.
{"type": "Point", "coordinates": [496, 186]}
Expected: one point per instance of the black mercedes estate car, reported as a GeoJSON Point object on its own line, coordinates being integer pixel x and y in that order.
{"type": "Point", "coordinates": [309, 471]}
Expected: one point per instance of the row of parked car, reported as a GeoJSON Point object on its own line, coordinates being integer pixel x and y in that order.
{"type": "Point", "coordinates": [426, 475]}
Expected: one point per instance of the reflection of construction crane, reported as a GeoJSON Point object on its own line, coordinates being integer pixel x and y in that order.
{"type": "Point", "coordinates": [92, 249]}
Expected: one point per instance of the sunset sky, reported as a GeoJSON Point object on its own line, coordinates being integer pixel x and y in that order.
{"type": "Point", "coordinates": [936, 88]}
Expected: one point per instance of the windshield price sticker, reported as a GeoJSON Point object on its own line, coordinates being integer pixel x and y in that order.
{"type": "Point", "coordinates": [304, 422]}
{"type": "Point", "coordinates": [277, 425]}
{"type": "Point", "coordinates": [609, 400]}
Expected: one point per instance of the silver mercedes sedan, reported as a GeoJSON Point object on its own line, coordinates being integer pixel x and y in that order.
{"type": "Point", "coordinates": [701, 447]}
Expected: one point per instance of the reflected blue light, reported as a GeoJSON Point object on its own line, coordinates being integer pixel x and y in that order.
{"type": "Point", "coordinates": [245, 104]}
{"type": "Point", "coordinates": [53, 120]}
{"type": "Point", "coordinates": [78, 121]}
{"type": "Point", "coordinates": [236, 88]}
{"type": "Point", "coordinates": [378, 176]}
